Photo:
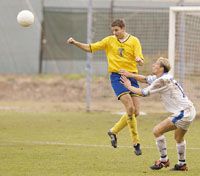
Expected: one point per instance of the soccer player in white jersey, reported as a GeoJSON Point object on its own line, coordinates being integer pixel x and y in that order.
{"type": "Point", "coordinates": [175, 101]}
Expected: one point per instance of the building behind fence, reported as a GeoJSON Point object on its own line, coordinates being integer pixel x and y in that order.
{"type": "Point", "coordinates": [42, 47]}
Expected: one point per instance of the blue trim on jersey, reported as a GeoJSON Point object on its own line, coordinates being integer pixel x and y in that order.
{"type": "Point", "coordinates": [179, 117]}
{"type": "Point", "coordinates": [118, 87]}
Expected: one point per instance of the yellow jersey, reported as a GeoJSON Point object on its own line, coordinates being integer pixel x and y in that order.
{"type": "Point", "coordinates": [120, 55]}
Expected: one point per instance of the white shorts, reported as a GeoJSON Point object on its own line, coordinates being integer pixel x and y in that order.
{"type": "Point", "coordinates": [184, 118]}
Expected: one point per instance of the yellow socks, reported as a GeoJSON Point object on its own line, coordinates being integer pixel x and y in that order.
{"type": "Point", "coordinates": [120, 124]}
{"type": "Point", "coordinates": [132, 124]}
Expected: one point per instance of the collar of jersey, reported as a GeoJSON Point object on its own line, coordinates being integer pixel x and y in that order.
{"type": "Point", "coordinates": [124, 40]}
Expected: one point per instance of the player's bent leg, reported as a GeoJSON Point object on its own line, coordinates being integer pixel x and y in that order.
{"type": "Point", "coordinates": [163, 127]}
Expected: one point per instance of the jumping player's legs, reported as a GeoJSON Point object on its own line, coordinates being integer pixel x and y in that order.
{"type": "Point", "coordinates": [128, 118]}
{"type": "Point", "coordinates": [131, 119]}
{"type": "Point", "coordinates": [123, 94]}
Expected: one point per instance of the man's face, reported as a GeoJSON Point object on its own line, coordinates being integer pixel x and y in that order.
{"type": "Point", "coordinates": [157, 69]}
{"type": "Point", "coordinates": [118, 31]}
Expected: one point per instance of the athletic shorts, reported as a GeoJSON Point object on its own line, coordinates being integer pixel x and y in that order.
{"type": "Point", "coordinates": [118, 87]}
{"type": "Point", "coordinates": [184, 118]}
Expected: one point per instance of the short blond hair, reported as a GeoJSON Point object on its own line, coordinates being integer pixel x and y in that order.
{"type": "Point", "coordinates": [164, 62]}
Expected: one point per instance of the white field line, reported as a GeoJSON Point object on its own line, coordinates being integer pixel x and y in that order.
{"type": "Point", "coordinates": [12, 143]}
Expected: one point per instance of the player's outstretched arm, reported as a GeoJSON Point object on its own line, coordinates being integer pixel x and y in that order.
{"type": "Point", "coordinates": [139, 78]}
{"type": "Point", "coordinates": [83, 46]}
{"type": "Point", "coordinates": [126, 82]}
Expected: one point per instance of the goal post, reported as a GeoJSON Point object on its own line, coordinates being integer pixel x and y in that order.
{"type": "Point", "coordinates": [172, 31]}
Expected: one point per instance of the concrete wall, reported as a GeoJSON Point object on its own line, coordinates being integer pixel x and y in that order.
{"type": "Point", "coordinates": [19, 47]}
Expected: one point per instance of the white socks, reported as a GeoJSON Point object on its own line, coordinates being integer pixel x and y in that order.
{"type": "Point", "coordinates": [162, 147]}
{"type": "Point", "coordinates": [181, 150]}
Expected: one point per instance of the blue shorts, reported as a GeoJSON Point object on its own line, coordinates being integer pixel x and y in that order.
{"type": "Point", "coordinates": [118, 87]}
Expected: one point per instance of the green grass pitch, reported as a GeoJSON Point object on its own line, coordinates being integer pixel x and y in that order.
{"type": "Point", "coordinates": [76, 144]}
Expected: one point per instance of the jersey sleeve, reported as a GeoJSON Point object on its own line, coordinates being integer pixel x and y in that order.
{"type": "Point", "coordinates": [138, 49]}
{"type": "Point", "coordinates": [100, 45]}
{"type": "Point", "coordinates": [150, 79]}
{"type": "Point", "coordinates": [157, 86]}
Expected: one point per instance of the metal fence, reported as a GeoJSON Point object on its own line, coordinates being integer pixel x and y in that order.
{"type": "Point", "coordinates": [149, 21]}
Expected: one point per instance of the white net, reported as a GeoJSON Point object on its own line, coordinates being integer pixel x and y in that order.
{"type": "Point", "coordinates": [187, 61]}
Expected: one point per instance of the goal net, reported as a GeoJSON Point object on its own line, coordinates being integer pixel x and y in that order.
{"type": "Point", "coordinates": [184, 49]}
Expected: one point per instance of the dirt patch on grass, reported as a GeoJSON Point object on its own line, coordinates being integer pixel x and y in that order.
{"type": "Point", "coordinates": [63, 93]}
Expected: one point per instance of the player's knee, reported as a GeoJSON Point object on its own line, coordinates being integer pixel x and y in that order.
{"type": "Point", "coordinates": [156, 131]}
{"type": "Point", "coordinates": [137, 112]}
{"type": "Point", "coordinates": [130, 110]}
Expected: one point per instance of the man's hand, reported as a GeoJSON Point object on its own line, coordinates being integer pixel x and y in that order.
{"type": "Point", "coordinates": [71, 40]}
{"type": "Point", "coordinates": [125, 73]}
{"type": "Point", "coordinates": [139, 61]}
{"type": "Point", "coordinates": [83, 46]}
{"type": "Point", "coordinates": [125, 81]}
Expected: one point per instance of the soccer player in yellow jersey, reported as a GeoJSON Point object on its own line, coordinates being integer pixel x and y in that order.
{"type": "Point", "coordinates": [123, 51]}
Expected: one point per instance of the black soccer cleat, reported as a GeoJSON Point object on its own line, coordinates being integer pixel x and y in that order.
{"type": "Point", "coordinates": [159, 165]}
{"type": "Point", "coordinates": [137, 151]}
{"type": "Point", "coordinates": [113, 139]}
{"type": "Point", "coordinates": [178, 167]}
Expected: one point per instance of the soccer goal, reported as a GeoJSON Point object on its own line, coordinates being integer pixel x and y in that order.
{"type": "Point", "coordinates": [184, 47]}
{"type": "Point", "coordinates": [184, 35]}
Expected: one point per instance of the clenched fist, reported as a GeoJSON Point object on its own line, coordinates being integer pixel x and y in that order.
{"type": "Point", "coordinates": [71, 40]}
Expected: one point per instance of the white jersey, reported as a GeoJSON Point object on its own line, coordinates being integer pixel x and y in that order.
{"type": "Point", "coordinates": [172, 94]}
